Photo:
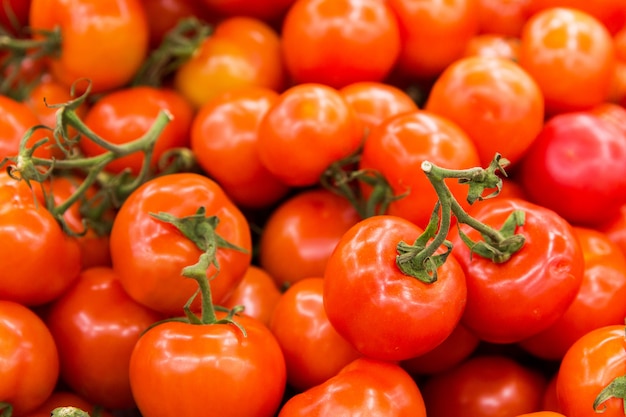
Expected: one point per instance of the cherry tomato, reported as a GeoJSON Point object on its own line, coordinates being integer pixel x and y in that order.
{"type": "Point", "coordinates": [301, 233]}
{"type": "Point", "coordinates": [216, 369]}
{"type": "Point", "coordinates": [616, 229]}
{"type": "Point", "coordinates": [495, 46]}
{"type": "Point", "coordinates": [65, 399]}
{"type": "Point", "coordinates": [308, 128]}
{"type": "Point", "coordinates": [542, 414]}
{"type": "Point", "coordinates": [613, 113]}
{"type": "Point", "coordinates": [384, 313]}
{"type": "Point", "coordinates": [511, 301]}
{"type": "Point", "coordinates": [570, 55]}
{"type": "Point", "coordinates": [494, 101]}
{"type": "Point", "coordinates": [224, 140]}
{"type": "Point", "coordinates": [550, 402]}
{"type": "Point", "coordinates": [503, 17]}
{"type": "Point", "coordinates": [589, 365]}
{"type": "Point", "coordinates": [610, 12]}
{"type": "Point", "coordinates": [482, 386]}
{"type": "Point", "coordinates": [267, 10]}
{"type": "Point", "coordinates": [397, 148]}
{"type": "Point", "coordinates": [577, 167]}
{"type": "Point", "coordinates": [14, 15]}
{"type": "Point", "coordinates": [15, 120]}
{"type": "Point", "coordinates": [366, 387]}
{"type": "Point", "coordinates": [164, 15]}
{"type": "Point", "coordinates": [339, 42]}
{"type": "Point", "coordinates": [149, 254]}
{"type": "Point", "coordinates": [105, 41]}
{"type": "Point", "coordinates": [28, 357]}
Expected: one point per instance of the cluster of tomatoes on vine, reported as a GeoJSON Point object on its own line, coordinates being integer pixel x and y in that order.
{"type": "Point", "coordinates": [312, 207]}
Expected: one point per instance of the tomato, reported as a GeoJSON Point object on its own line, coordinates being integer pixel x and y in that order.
{"type": "Point", "coordinates": [577, 167]}
{"type": "Point", "coordinates": [570, 55]}
{"type": "Point", "coordinates": [616, 229]}
{"type": "Point", "coordinates": [15, 120]}
{"type": "Point", "coordinates": [449, 25]}
{"type": "Point", "coordinates": [374, 102]}
{"type": "Point", "coordinates": [550, 402]}
{"type": "Point", "coordinates": [119, 28]}
{"type": "Point", "coordinates": [610, 12]}
{"type": "Point", "coordinates": [599, 300]}
{"type": "Point", "coordinates": [484, 385]}
{"type": "Point", "coordinates": [497, 103]}
{"type": "Point", "coordinates": [268, 10]}
{"type": "Point", "coordinates": [308, 128]}
{"type": "Point", "coordinates": [383, 312]}
{"type": "Point", "coordinates": [339, 42]}
{"type": "Point", "coordinates": [503, 17]}
{"type": "Point", "coordinates": [491, 45]}
{"type": "Point", "coordinates": [126, 114]}
{"type": "Point", "coordinates": [164, 15]}
{"type": "Point", "coordinates": [64, 399]}
{"type": "Point", "coordinates": [242, 52]}
{"type": "Point", "coordinates": [257, 292]}
{"type": "Point", "coordinates": [542, 414]}
{"type": "Point", "coordinates": [149, 254]}
{"type": "Point", "coordinates": [511, 301]}
{"type": "Point", "coordinates": [314, 351]}
{"type": "Point", "coordinates": [613, 113]}
{"type": "Point", "coordinates": [224, 140]}
{"type": "Point", "coordinates": [589, 365]}
{"type": "Point", "coordinates": [301, 233]}
{"type": "Point", "coordinates": [366, 387]}
{"type": "Point", "coordinates": [397, 148]}
{"type": "Point", "coordinates": [28, 358]}
{"type": "Point", "coordinates": [14, 15]}
{"type": "Point", "coordinates": [216, 369]}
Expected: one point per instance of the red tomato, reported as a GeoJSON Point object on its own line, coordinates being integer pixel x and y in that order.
{"type": "Point", "coordinates": [215, 369]}
{"type": "Point", "coordinates": [339, 42]}
{"type": "Point", "coordinates": [14, 15]}
{"type": "Point", "coordinates": [224, 140]}
{"type": "Point", "coordinates": [542, 414]}
{"type": "Point", "coordinates": [366, 387]}
{"type": "Point", "coordinates": [616, 229]}
{"type": "Point", "coordinates": [105, 41]}
{"type": "Point", "coordinates": [494, 101]}
{"type": "Point", "coordinates": [511, 301]}
{"type": "Point", "coordinates": [611, 13]}
{"type": "Point", "coordinates": [164, 15]}
{"type": "Point", "coordinates": [126, 114]}
{"type": "Point", "coordinates": [589, 365]}
{"type": "Point", "coordinates": [613, 113]}
{"type": "Point", "coordinates": [28, 357]}
{"type": "Point", "coordinates": [301, 233]}
{"type": "Point", "coordinates": [449, 25]}
{"type": "Point", "coordinates": [65, 399]}
{"type": "Point", "coordinates": [314, 351]}
{"type": "Point", "coordinates": [149, 254]}
{"type": "Point", "coordinates": [484, 386]}
{"type": "Point", "coordinates": [577, 167]}
{"type": "Point", "coordinates": [503, 17]}
{"type": "Point", "coordinates": [15, 119]}
{"type": "Point", "coordinates": [374, 304]}
{"type": "Point", "coordinates": [570, 55]}
{"type": "Point", "coordinates": [397, 148]}
{"type": "Point", "coordinates": [94, 340]}
{"type": "Point", "coordinates": [599, 301]}
{"type": "Point", "coordinates": [550, 402]}
{"type": "Point", "coordinates": [308, 128]}
{"type": "Point", "coordinates": [268, 10]}
{"type": "Point", "coordinates": [494, 46]}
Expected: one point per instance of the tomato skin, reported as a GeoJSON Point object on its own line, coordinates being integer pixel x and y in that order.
{"type": "Point", "coordinates": [365, 386]}
{"type": "Point", "coordinates": [94, 340]}
{"type": "Point", "coordinates": [314, 351]}
{"type": "Point", "coordinates": [29, 358]}
{"type": "Point", "coordinates": [589, 365]}
{"type": "Point", "coordinates": [15, 119]}
{"type": "Point", "coordinates": [339, 42]}
{"type": "Point", "coordinates": [598, 302]}
{"type": "Point", "coordinates": [149, 254]}
{"type": "Point", "coordinates": [616, 229]}
{"type": "Point", "coordinates": [491, 45]}
{"type": "Point", "coordinates": [18, 9]}
{"type": "Point", "coordinates": [503, 17]}
{"type": "Point", "coordinates": [118, 27]}
{"type": "Point", "coordinates": [216, 369]}
{"type": "Point", "coordinates": [482, 386]}
{"type": "Point", "coordinates": [308, 116]}
{"type": "Point", "coordinates": [268, 10]}
{"type": "Point", "coordinates": [64, 399]}
{"type": "Point", "coordinates": [511, 301]}
{"type": "Point", "coordinates": [577, 167]}
{"type": "Point", "coordinates": [542, 414]}
{"type": "Point", "coordinates": [610, 12]}
{"type": "Point", "coordinates": [375, 306]}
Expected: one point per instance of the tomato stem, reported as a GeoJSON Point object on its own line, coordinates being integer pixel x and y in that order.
{"type": "Point", "coordinates": [616, 389]}
{"type": "Point", "coordinates": [6, 409]}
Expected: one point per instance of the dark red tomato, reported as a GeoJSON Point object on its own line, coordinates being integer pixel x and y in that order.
{"type": "Point", "coordinates": [484, 386]}
{"type": "Point", "coordinates": [126, 114]}
{"type": "Point", "coordinates": [599, 301]}
{"type": "Point", "coordinates": [224, 140]}
{"type": "Point", "coordinates": [308, 128]}
{"type": "Point", "coordinates": [550, 402]}
{"type": "Point", "coordinates": [301, 233]}
{"type": "Point", "coordinates": [363, 387]}
{"type": "Point", "coordinates": [511, 301]}
{"type": "Point", "coordinates": [149, 254]}
{"type": "Point", "coordinates": [611, 13]}
{"type": "Point", "coordinates": [15, 119]}
{"type": "Point", "coordinates": [616, 229]}
{"type": "Point", "coordinates": [94, 340]}
{"type": "Point", "coordinates": [339, 42]}
{"type": "Point", "coordinates": [164, 15]}
{"type": "Point", "coordinates": [383, 312]}
{"type": "Point", "coordinates": [14, 15]}
{"type": "Point", "coordinates": [577, 167]}
{"type": "Point", "coordinates": [397, 148]}
{"type": "Point", "coordinates": [213, 368]}
{"type": "Point", "coordinates": [589, 365]}
{"type": "Point", "coordinates": [314, 351]}
{"type": "Point", "coordinates": [65, 399]}
{"type": "Point", "coordinates": [503, 17]}
{"type": "Point", "coordinates": [268, 10]}
{"type": "Point", "coordinates": [29, 358]}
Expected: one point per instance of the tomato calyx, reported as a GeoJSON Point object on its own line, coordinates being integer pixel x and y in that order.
{"type": "Point", "coordinates": [420, 259]}
{"type": "Point", "coordinates": [68, 412]}
{"type": "Point", "coordinates": [615, 389]}
{"type": "Point", "coordinates": [200, 229]}
{"type": "Point", "coordinates": [6, 409]}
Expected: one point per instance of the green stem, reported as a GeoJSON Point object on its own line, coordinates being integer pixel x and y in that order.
{"type": "Point", "coordinates": [616, 389]}
{"type": "Point", "coordinates": [68, 412]}
{"type": "Point", "coordinates": [6, 409]}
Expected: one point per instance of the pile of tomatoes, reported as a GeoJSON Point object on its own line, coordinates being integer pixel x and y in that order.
{"type": "Point", "coordinates": [313, 208]}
